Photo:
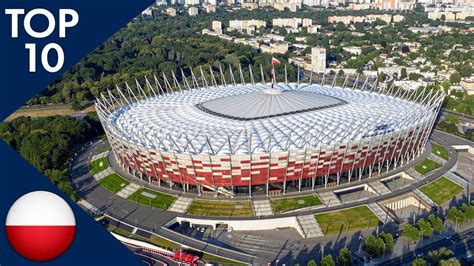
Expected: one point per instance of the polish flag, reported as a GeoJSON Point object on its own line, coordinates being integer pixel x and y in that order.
{"type": "Point", "coordinates": [275, 61]}
{"type": "Point", "coordinates": [40, 226]}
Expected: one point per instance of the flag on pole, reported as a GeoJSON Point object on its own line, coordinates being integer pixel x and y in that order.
{"type": "Point", "coordinates": [275, 61]}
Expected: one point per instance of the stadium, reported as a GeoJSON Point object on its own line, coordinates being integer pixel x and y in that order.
{"type": "Point", "coordinates": [213, 135]}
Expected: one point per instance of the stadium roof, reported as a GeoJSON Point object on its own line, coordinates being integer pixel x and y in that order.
{"type": "Point", "coordinates": [242, 119]}
{"type": "Point", "coordinates": [268, 103]}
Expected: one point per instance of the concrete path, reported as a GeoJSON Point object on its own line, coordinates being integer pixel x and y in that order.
{"type": "Point", "coordinates": [436, 159]}
{"type": "Point", "coordinates": [329, 198]}
{"type": "Point", "coordinates": [309, 226]}
{"type": "Point", "coordinates": [128, 190]}
{"type": "Point", "coordinates": [380, 213]}
{"type": "Point", "coordinates": [262, 207]}
{"type": "Point", "coordinates": [181, 205]}
{"type": "Point", "coordinates": [99, 156]}
{"type": "Point", "coordinates": [425, 198]}
{"type": "Point", "coordinates": [414, 174]}
{"type": "Point", "coordinates": [84, 203]}
{"type": "Point", "coordinates": [379, 187]}
{"type": "Point", "coordinates": [104, 173]}
{"type": "Point", "coordinates": [457, 179]}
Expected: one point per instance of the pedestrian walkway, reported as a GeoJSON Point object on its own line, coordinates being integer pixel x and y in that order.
{"type": "Point", "coordinates": [262, 207]}
{"type": "Point", "coordinates": [104, 173]}
{"type": "Point", "coordinates": [456, 179]}
{"type": "Point", "coordinates": [414, 174]}
{"type": "Point", "coordinates": [425, 198]}
{"type": "Point", "coordinates": [329, 198]}
{"type": "Point", "coordinates": [436, 159]}
{"type": "Point", "coordinates": [380, 213]}
{"type": "Point", "coordinates": [128, 190]}
{"type": "Point", "coordinates": [379, 187]}
{"type": "Point", "coordinates": [309, 226]}
{"type": "Point", "coordinates": [181, 204]}
{"type": "Point", "coordinates": [90, 207]}
{"type": "Point", "coordinates": [99, 156]}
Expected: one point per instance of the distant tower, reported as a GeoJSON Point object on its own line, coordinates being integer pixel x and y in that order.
{"type": "Point", "coordinates": [318, 59]}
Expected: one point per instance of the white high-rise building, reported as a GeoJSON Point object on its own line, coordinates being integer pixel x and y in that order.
{"type": "Point", "coordinates": [217, 26]}
{"type": "Point", "coordinates": [318, 59]}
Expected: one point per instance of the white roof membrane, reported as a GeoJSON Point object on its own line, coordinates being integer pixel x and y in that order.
{"type": "Point", "coordinates": [239, 119]}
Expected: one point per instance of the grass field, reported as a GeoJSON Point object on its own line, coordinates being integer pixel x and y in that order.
{"type": "Point", "coordinates": [220, 208]}
{"type": "Point", "coordinates": [353, 219]}
{"type": "Point", "coordinates": [43, 111]}
{"type": "Point", "coordinates": [289, 204]}
{"type": "Point", "coordinates": [97, 167]}
{"type": "Point", "coordinates": [104, 149]}
{"type": "Point", "coordinates": [441, 190]}
{"type": "Point", "coordinates": [427, 166]}
{"type": "Point", "coordinates": [113, 183]}
{"type": "Point", "coordinates": [439, 151]}
{"type": "Point", "coordinates": [161, 200]}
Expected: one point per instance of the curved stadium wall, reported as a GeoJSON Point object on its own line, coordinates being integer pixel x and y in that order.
{"type": "Point", "coordinates": [195, 135]}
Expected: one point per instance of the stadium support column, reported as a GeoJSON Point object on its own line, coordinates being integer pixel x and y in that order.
{"type": "Point", "coordinates": [386, 150]}
{"type": "Point", "coordinates": [316, 170]}
{"type": "Point", "coordinates": [394, 149]}
{"type": "Point", "coordinates": [195, 175]}
{"type": "Point", "coordinates": [361, 169]}
{"type": "Point", "coordinates": [211, 153]}
{"type": "Point", "coordinates": [250, 163]}
{"type": "Point", "coordinates": [252, 80]}
{"type": "Point", "coordinates": [376, 154]}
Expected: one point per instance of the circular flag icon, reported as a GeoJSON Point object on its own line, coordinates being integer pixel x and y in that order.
{"type": "Point", "coordinates": [40, 226]}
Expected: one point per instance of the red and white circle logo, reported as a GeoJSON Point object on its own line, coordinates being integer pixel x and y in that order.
{"type": "Point", "coordinates": [40, 226]}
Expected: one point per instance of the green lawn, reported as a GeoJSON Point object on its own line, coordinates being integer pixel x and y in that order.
{"type": "Point", "coordinates": [439, 151]}
{"type": "Point", "coordinates": [289, 204]}
{"type": "Point", "coordinates": [441, 190]}
{"type": "Point", "coordinates": [104, 149]}
{"type": "Point", "coordinates": [353, 219]}
{"type": "Point", "coordinates": [160, 200]}
{"type": "Point", "coordinates": [99, 165]}
{"type": "Point", "coordinates": [220, 208]}
{"type": "Point", "coordinates": [426, 166]}
{"type": "Point", "coordinates": [113, 183]}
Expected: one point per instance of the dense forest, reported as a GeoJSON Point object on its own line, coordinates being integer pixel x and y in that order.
{"type": "Point", "coordinates": [49, 143]}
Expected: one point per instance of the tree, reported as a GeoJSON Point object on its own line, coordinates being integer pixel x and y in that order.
{"type": "Point", "coordinates": [312, 263]}
{"type": "Point", "coordinates": [328, 261]}
{"type": "Point", "coordinates": [374, 245]}
{"type": "Point", "coordinates": [455, 78]}
{"type": "Point", "coordinates": [468, 211]}
{"type": "Point", "coordinates": [456, 215]}
{"type": "Point", "coordinates": [345, 257]}
{"type": "Point", "coordinates": [436, 223]}
{"type": "Point", "coordinates": [425, 227]}
{"type": "Point", "coordinates": [419, 262]}
{"type": "Point", "coordinates": [437, 255]}
{"type": "Point", "coordinates": [450, 262]}
{"type": "Point", "coordinates": [388, 240]}
{"type": "Point", "coordinates": [453, 119]}
{"type": "Point", "coordinates": [411, 232]}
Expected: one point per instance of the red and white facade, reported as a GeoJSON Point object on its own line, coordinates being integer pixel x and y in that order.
{"type": "Point", "coordinates": [247, 138]}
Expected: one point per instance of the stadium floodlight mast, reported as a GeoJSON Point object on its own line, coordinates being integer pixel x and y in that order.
{"type": "Point", "coordinates": [196, 148]}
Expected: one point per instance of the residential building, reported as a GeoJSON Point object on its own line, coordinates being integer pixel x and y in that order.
{"type": "Point", "coordinates": [318, 59]}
